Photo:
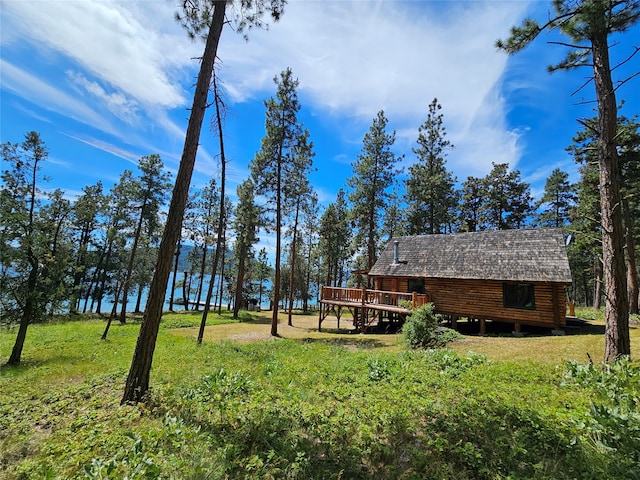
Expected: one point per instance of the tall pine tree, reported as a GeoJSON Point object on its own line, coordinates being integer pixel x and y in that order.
{"type": "Point", "coordinates": [24, 245]}
{"type": "Point", "coordinates": [203, 19]}
{"type": "Point", "coordinates": [557, 201]}
{"type": "Point", "coordinates": [430, 186]}
{"type": "Point", "coordinates": [246, 222]}
{"type": "Point", "coordinates": [277, 166]}
{"type": "Point", "coordinates": [588, 24]}
{"type": "Point", "coordinates": [373, 175]}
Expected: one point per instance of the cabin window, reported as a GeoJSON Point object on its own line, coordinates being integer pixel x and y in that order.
{"type": "Point", "coordinates": [518, 295]}
{"type": "Point", "coordinates": [416, 285]}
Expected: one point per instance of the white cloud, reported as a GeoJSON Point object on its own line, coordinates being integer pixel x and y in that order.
{"type": "Point", "coordinates": [354, 58]}
{"type": "Point", "coordinates": [109, 42]}
{"type": "Point", "coordinates": [38, 92]}
{"type": "Point", "coordinates": [118, 103]}
{"type": "Point", "coordinates": [108, 147]}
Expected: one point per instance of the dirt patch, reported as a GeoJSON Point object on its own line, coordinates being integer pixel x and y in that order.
{"type": "Point", "coordinates": [250, 337]}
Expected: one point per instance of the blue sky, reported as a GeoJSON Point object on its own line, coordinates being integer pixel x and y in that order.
{"type": "Point", "coordinates": [107, 82]}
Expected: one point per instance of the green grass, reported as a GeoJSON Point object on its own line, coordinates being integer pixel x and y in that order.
{"type": "Point", "coordinates": [310, 407]}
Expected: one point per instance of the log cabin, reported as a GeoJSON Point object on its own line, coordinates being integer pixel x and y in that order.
{"type": "Point", "coordinates": [513, 276]}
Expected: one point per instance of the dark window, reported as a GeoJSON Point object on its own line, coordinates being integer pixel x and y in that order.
{"type": "Point", "coordinates": [416, 285]}
{"type": "Point", "coordinates": [518, 295]}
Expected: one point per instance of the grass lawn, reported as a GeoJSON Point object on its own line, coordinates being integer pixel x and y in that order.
{"type": "Point", "coordinates": [312, 404]}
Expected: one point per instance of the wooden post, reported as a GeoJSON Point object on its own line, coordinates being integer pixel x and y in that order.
{"type": "Point", "coordinates": [363, 315]}
{"type": "Point", "coordinates": [517, 330]}
{"type": "Point", "coordinates": [320, 316]}
{"type": "Point", "coordinates": [483, 326]}
{"type": "Point", "coordinates": [454, 322]}
{"type": "Point", "coordinates": [414, 300]}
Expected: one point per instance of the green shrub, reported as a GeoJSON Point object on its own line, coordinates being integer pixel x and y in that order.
{"type": "Point", "coordinates": [614, 418]}
{"type": "Point", "coordinates": [422, 330]}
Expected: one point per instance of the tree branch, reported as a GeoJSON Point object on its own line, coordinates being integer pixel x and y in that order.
{"type": "Point", "coordinates": [622, 82]}
{"type": "Point", "coordinates": [570, 45]}
{"type": "Point", "coordinates": [588, 125]}
{"type": "Point", "coordinates": [587, 82]}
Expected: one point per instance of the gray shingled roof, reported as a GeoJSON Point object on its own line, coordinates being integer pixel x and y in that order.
{"type": "Point", "coordinates": [513, 255]}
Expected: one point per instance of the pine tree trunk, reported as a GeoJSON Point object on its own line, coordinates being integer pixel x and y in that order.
{"type": "Point", "coordinates": [293, 264]}
{"type": "Point", "coordinates": [597, 283]}
{"type": "Point", "coordinates": [127, 280]}
{"type": "Point", "coordinates": [113, 313]}
{"type": "Point", "coordinates": [617, 340]}
{"type": "Point", "coordinates": [185, 292]}
{"type": "Point", "coordinates": [223, 247]}
{"type": "Point", "coordinates": [175, 275]}
{"type": "Point", "coordinates": [137, 384]}
{"type": "Point", "coordinates": [239, 283]}
{"type": "Point", "coordinates": [632, 271]}
{"type": "Point", "coordinates": [305, 301]}
{"type": "Point", "coordinates": [203, 266]}
{"type": "Point", "coordinates": [27, 314]}
{"type": "Point", "coordinates": [276, 276]}
{"type": "Point", "coordinates": [585, 286]}
{"type": "Point", "coordinates": [79, 277]}
{"type": "Point", "coordinates": [221, 212]}
{"type": "Point", "coordinates": [93, 283]}
{"type": "Point", "coordinates": [138, 299]}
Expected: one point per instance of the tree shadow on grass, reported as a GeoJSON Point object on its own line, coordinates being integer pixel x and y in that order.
{"type": "Point", "coordinates": [366, 343]}
{"type": "Point", "coordinates": [28, 364]}
{"type": "Point", "coordinates": [258, 320]}
{"type": "Point", "coordinates": [574, 326]}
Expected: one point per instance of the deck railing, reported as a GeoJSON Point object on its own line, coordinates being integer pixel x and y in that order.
{"type": "Point", "coordinates": [365, 296]}
{"type": "Point", "coordinates": [340, 294]}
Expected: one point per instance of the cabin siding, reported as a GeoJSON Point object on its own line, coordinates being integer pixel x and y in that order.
{"type": "Point", "coordinates": [483, 299]}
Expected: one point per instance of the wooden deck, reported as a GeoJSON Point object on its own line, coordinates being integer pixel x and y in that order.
{"type": "Point", "coordinates": [369, 308]}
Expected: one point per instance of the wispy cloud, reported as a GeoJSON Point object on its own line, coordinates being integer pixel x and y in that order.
{"type": "Point", "coordinates": [110, 43]}
{"type": "Point", "coordinates": [108, 147]}
{"type": "Point", "coordinates": [355, 58]}
{"type": "Point", "coordinates": [117, 103]}
{"type": "Point", "coordinates": [36, 91]}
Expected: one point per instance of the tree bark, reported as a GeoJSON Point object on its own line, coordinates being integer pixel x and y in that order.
{"type": "Point", "coordinates": [175, 274]}
{"type": "Point", "coordinates": [138, 299]}
{"type": "Point", "coordinates": [292, 274]}
{"type": "Point", "coordinates": [237, 304]}
{"type": "Point", "coordinates": [276, 275]}
{"type": "Point", "coordinates": [80, 275]}
{"type": "Point", "coordinates": [617, 340]}
{"type": "Point", "coordinates": [203, 267]}
{"type": "Point", "coordinates": [305, 301]}
{"type": "Point", "coordinates": [632, 271]}
{"type": "Point", "coordinates": [221, 213]}
{"type": "Point", "coordinates": [27, 313]}
{"type": "Point", "coordinates": [597, 283]}
{"type": "Point", "coordinates": [113, 312]}
{"type": "Point", "coordinates": [185, 292]}
{"type": "Point", "coordinates": [137, 384]}
{"type": "Point", "coordinates": [223, 247]}
{"type": "Point", "coordinates": [127, 280]}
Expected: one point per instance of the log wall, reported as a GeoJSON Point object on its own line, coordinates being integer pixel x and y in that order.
{"type": "Point", "coordinates": [482, 299]}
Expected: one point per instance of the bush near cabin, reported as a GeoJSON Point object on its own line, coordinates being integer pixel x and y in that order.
{"type": "Point", "coordinates": [422, 329]}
